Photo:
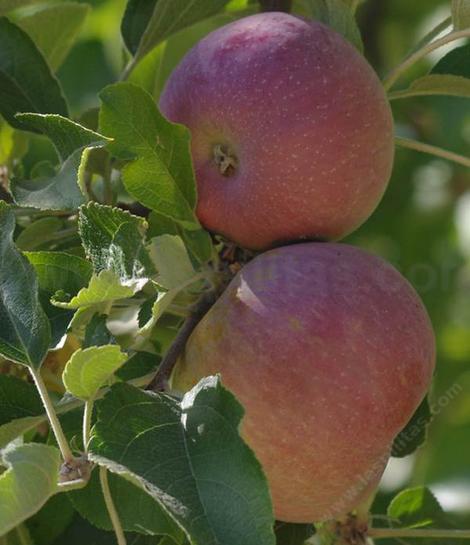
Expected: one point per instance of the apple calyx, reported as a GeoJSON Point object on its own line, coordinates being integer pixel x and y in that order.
{"type": "Point", "coordinates": [225, 160]}
{"type": "Point", "coordinates": [351, 530]}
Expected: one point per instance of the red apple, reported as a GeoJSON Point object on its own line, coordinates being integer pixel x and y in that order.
{"type": "Point", "coordinates": [330, 351]}
{"type": "Point", "coordinates": [292, 134]}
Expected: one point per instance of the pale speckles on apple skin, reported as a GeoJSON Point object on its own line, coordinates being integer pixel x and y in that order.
{"type": "Point", "coordinates": [348, 379]}
{"type": "Point", "coordinates": [300, 90]}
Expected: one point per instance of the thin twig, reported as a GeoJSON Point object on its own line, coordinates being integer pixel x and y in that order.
{"type": "Point", "coordinates": [165, 368]}
{"type": "Point", "coordinates": [433, 150]}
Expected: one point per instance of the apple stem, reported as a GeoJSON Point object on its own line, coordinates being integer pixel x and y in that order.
{"type": "Point", "coordinates": [433, 150]}
{"type": "Point", "coordinates": [276, 5]}
{"type": "Point", "coordinates": [390, 80]}
{"type": "Point", "coordinates": [383, 533]}
{"type": "Point", "coordinates": [160, 380]}
{"type": "Point", "coordinates": [363, 510]}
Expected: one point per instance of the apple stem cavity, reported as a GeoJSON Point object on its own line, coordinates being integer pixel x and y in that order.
{"type": "Point", "coordinates": [225, 160]}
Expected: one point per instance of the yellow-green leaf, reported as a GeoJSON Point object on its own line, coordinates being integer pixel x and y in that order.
{"type": "Point", "coordinates": [88, 369]}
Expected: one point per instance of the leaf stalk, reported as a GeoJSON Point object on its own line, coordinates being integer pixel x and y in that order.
{"type": "Point", "coordinates": [87, 414]}
{"type": "Point", "coordinates": [113, 514]}
{"type": "Point", "coordinates": [52, 416]}
{"type": "Point", "coordinates": [433, 150]}
{"type": "Point", "coordinates": [433, 533]}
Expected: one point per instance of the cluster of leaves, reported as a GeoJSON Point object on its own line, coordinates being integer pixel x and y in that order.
{"type": "Point", "coordinates": [451, 75]}
{"type": "Point", "coordinates": [75, 265]}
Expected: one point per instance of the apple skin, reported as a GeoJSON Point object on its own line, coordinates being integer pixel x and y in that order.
{"type": "Point", "coordinates": [303, 115]}
{"type": "Point", "coordinates": [330, 351]}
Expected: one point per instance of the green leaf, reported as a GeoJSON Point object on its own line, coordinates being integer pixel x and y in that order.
{"type": "Point", "coordinates": [450, 76]}
{"type": "Point", "coordinates": [43, 169]}
{"type": "Point", "coordinates": [25, 333]}
{"type": "Point", "coordinates": [416, 508]}
{"type": "Point", "coordinates": [136, 18]}
{"type": "Point", "coordinates": [138, 365]}
{"type": "Point", "coordinates": [161, 303]}
{"type": "Point", "coordinates": [97, 332]}
{"type": "Point", "coordinates": [413, 435]}
{"type": "Point", "coordinates": [30, 480]}
{"type": "Point", "coordinates": [461, 14]}
{"type": "Point", "coordinates": [89, 369]}
{"type": "Point", "coordinates": [435, 84]}
{"type": "Point", "coordinates": [26, 81]}
{"type": "Point", "coordinates": [171, 259]}
{"type": "Point", "coordinates": [81, 532]}
{"type": "Point", "coordinates": [74, 143]}
{"type": "Point", "coordinates": [66, 135]}
{"type": "Point", "coordinates": [190, 458]}
{"type": "Point", "coordinates": [72, 426]}
{"type": "Point", "coordinates": [39, 233]}
{"type": "Point", "coordinates": [145, 311]}
{"type": "Point", "coordinates": [431, 35]}
{"type": "Point", "coordinates": [338, 15]}
{"type": "Point", "coordinates": [114, 240]}
{"type": "Point", "coordinates": [456, 62]}
{"type": "Point", "coordinates": [55, 28]}
{"type": "Point", "coordinates": [58, 271]}
{"type": "Point", "coordinates": [153, 71]}
{"type": "Point", "coordinates": [137, 510]}
{"type": "Point", "coordinates": [20, 407]}
{"type": "Point", "coordinates": [9, 5]}
{"type": "Point", "coordinates": [51, 521]}
{"type": "Point", "coordinates": [20, 535]}
{"type": "Point", "coordinates": [353, 4]}
{"type": "Point", "coordinates": [293, 534]}
{"type": "Point", "coordinates": [166, 18]}
{"type": "Point", "coordinates": [6, 142]}
{"type": "Point", "coordinates": [161, 177]}
{"type": "Point", "coordinates": [102, 288]}
{"type": "Point", "coordinates": [61, 192]}
{"type": "Point", "coordinates": [198, 243]}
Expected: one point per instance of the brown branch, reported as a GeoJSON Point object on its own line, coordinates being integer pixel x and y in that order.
{"type": "Point", "coordinates": [165, 368]}
{"type": "Point", "coordinates": [276, 5]}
